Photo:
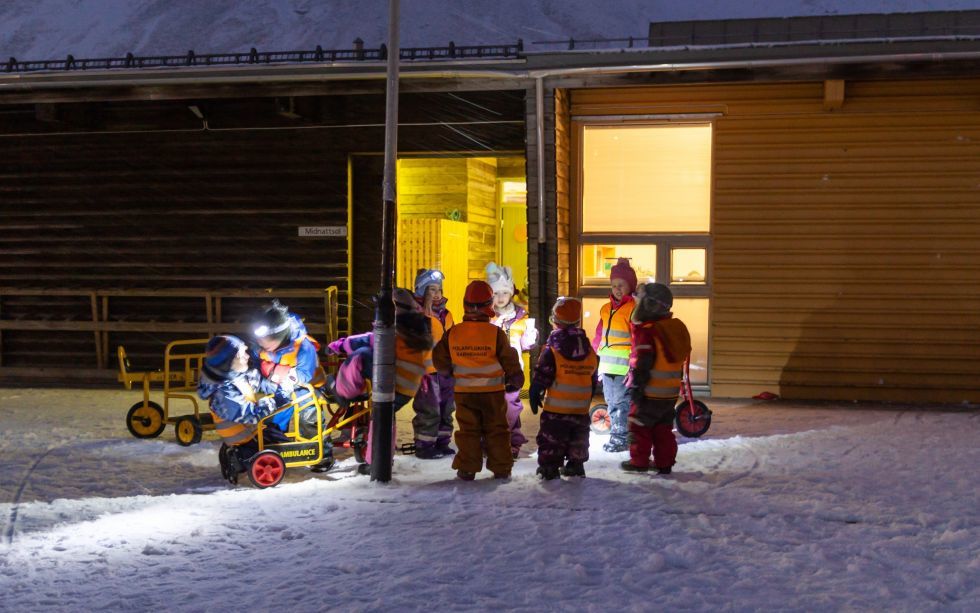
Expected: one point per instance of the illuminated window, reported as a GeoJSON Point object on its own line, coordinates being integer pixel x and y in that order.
{"type": "Point", "coordinates": [688, 266]}
{"type": "Point", "coordinates": [598, 260]}
{"type": "Point", "coordinates": [646, 178]}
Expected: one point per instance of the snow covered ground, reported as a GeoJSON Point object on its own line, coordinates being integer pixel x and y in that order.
{"type": "Point", "coordinates": [780, 507]}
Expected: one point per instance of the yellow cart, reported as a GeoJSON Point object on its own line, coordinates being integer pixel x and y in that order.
{"type": "Point", "coordinates": [181, 372]}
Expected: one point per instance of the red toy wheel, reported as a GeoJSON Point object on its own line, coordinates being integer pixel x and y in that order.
{"type": "Point", "coordinates": [599, 419]}
{"type": "Point", "coordinates": [266, 469]}
{"type": "Point", "coordinates": [692, 421]}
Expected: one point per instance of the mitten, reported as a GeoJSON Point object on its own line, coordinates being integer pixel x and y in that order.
{"type": "Point", "coordinates": [535, 397]}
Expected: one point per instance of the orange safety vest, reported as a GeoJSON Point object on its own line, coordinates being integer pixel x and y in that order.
{"type": "Point", "coordinates": [571, 393]}
{"type": "Point", "coordinates": [289, 359]}
{"type": "Point", "coordinates": [410, 365]}
{"type": "Point", "coordinates": [438, 330]}
{"type": "Point", "coordinates": [615, 344]}
{"type": "Point", "coordinates": [473, 350]}
{"type": "Point", "coordinates": [232, 432]}
{"type": "Point", "coordinates": [665, 377]}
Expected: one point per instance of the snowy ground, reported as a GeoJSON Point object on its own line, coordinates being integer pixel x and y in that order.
{"type": "Point", "coordinates": [780, 507]}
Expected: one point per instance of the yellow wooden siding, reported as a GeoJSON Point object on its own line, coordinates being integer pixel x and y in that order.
{"type": "Point", "coordinates": [846, 259]}
{"type": "Point", "coordinates": [438, 243]}
{"type": "Point", "coordinates": [482, 215]}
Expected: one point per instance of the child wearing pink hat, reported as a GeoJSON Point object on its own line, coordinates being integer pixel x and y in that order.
{"type": "Point", "coordinates": [612, 343]}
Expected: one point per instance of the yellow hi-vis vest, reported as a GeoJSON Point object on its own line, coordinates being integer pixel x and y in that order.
{"type": "Point", "coordinates": [410, 366]}
{"type": "Point", "coordinates": [615, 344]}
{"type": "Point", "coordinates": [437, 332]}
{"type": "Point", "coordinates": [571, 393]}
{"type": "Point", "coordinates": [473, 350]}
{"type": "Point", "coordinates": [665, 377]}
{"type": "Point", "coordinates": [232, 432]}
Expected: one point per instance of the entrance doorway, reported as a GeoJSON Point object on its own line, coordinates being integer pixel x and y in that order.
{"type": "Point", "coordinates": [458, 214]}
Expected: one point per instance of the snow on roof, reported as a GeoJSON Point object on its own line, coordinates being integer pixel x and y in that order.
{"type": "Point", "coordinates": [52, 29]}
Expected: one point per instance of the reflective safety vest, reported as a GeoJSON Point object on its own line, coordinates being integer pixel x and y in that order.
{"type": "Point", "coordinates": [232, 432]}
{"type": "Point", "coordinates": [438, 330]}
{"type": "Point", "coordinates": [290, 358]}
{"type": "Point", "coordinates": [571, 393]}
{"type": "Point", "coordinates": [665, 377]}
{"type": "Point", "coordinates": [473, 350]}
{"type": "Point", "coordinates": [410, 365]}
{"type": "Point", "coordinates": [614, 347]}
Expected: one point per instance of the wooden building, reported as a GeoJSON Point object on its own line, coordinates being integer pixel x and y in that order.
{"type": "Point", "coordinates": [809, 187]}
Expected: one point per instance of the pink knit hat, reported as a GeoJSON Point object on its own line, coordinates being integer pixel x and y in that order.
{"type": "Point", "coordinates": [623, 270]}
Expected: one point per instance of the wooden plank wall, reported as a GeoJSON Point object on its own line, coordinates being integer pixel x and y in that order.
{"type": "Point", "coordinates": [846, 259]}
{"type": "Point", "coordinates": [482, 215]}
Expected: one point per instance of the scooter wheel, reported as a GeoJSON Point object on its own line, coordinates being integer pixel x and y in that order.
{"type": "Point", "coordinates": [266, 469]}
{"type": "Point", "coordinates": [599, 419]}
{"type": "Point", "coordinates": [187, 430]}
{"type": "Point", "coordinates": [145, 420]}
{"type": "Point", "coordinates": [692, 421]}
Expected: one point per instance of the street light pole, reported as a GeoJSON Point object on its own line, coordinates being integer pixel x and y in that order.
{"type": "Point", "coordinates": [383, 392]}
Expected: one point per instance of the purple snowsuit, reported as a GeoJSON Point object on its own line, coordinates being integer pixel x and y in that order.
{"type": "Point", "coordinates": [514, 404]}
{"type": "Point", "coordinates": [434, 406]}
{"type": "Point", "coordinates": [562, 436]}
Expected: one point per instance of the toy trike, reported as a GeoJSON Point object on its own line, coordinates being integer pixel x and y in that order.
{"type": "Point", "coordinates": [691, 417]}
{"type": "Point", "coordinates": [181, 372]}
{"type": "Point", "coordinates": [265, 461]}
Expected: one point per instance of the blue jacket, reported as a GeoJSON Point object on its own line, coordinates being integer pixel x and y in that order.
{"type": "Point", "coordinates": [307, 362]}
{"type": "Point", "coordinates": [230, 404]}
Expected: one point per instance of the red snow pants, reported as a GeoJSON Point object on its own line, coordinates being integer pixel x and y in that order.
{"type": "Point", "coordinates": [651, 428]}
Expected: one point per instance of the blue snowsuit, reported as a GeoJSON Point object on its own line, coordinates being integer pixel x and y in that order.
{"type": "Point", "coordinates": [299, 352]}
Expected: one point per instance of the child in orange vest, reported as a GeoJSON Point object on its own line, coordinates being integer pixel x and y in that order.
{"type": "Point", "coordinates": [661, 344]}
{"type": "Point", "coordinates": [566, 372]}
{"type": "Point", "coordinates": [433, 405]}
{"type": "Point", "coordinates": [479, 356]}
{"type": "Point", "coordinates": [612, 343]}
{"type": "Point", "coordinates": [513, 319]}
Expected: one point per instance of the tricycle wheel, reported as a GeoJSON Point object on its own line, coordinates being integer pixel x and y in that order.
{"type": "Point", "coordinates": [599, 419]}
{"type": "Point", "coordinates": [266, 469]}
{"type": "Point", "coordinates": [187, 430]}
{"type": "Point", "coordinates": [692, 421]}
{"type": "Point", "coordinates": [145, 420]}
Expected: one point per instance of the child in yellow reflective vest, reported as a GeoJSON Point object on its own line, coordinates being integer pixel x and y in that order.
{"type": "Point", "coordinates": [513, 319]}
{"type": "Point", "coordinates": [479, 357]}
{"type": "Point", "coordinates": [563, 384]}
{"type": "Point", "coordinates": [612, 343]}
{"type": "Point", "coordinates": [661, 344]}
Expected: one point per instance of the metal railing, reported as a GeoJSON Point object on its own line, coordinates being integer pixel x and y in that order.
{"type": "Point", "coordinates": [254, 56]}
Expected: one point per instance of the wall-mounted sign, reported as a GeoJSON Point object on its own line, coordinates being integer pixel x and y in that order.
{"type": "Point", "coordinates": [323, 231]}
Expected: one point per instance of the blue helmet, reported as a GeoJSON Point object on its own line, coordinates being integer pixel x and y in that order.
{"type": "Point", "coordinates": [425, 278]}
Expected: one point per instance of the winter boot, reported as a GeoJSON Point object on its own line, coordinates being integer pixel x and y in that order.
{"type": "Point", "coordinates": [633, 468]}
{"type": "Point", "coordinates": [325, 464]}
{"type": "Point", "coordinates": [505, 475]}
{"type": "Point", "coordinates": [547, 473]}
{"type": "Point", "coordinates": [663, 471]}
{"type": "Point", "coordinates": [465, 476]}
{"type": "Point", "coordinates": [573, 469]}
{"type": "Point", "coordinates": [616, 446]}
{"type": "Point", "coordinates": [427, 452]}
{"type": "Point", "coordinates": [445, 451]}
{"type": "Point", "coordinates": [364, 469]}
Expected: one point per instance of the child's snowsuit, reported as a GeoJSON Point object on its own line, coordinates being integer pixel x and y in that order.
{"type": "Point", "coordinates": [566, 368]}
{"type": "Point", "coordinates": [434, 405]}
{"type": "Point", "coordinates": [660, 348]}
{"type": "Point", "coordinates": [236, 410]}
{"type": "Point", "coordinates": [479, 356]}
{"type": "Point", "coordinates": [522, 338]}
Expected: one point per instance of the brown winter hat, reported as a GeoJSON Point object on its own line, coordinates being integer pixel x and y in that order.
{"type": "Point", "coordinates": [567, 312]}
{"type": "Point", "coordinates": [653, 301]}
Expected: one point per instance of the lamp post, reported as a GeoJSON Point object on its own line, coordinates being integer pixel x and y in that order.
{"type": "Point", "coordinates": [383, 392]}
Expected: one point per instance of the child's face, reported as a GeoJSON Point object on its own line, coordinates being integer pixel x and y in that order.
{"type": "Point", "coordinates": [619, 288]}
{"type": "Point", "coordinates": [434, 293]}
{"type": "Point", "coordinates": [240, 362]}
{"type": "Point", "coordinates": [502, 299]}
{"type": "Point", "coordinates": [268, 343]}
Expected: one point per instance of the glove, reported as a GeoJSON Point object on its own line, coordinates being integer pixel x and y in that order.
{"type": "Point", "coordinates": [336, 347]}
{"type": "Point", "coordinates": [535, 396]}
{"type": "Point", "coordinates": [529, 338]}
{"type": "Point", "coordinates": [266, 405]}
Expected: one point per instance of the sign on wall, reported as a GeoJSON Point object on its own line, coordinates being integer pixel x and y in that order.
{"type": "Point", "coordinates": [323, 231]}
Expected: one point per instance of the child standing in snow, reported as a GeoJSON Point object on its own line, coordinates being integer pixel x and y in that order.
{"type": "Point", "coordinates": [413, 356]}
{"type": "Point", "coordinates": [434, 406]}
{"type": "Point", "coordinates": [612, 343]}
{"type": "Point", "coordinates": [564, 381]}
{"type": "Point", "coordinates": [661, 344]}
{"type": "Point", "coordinates": [513, 319]}
{"type": "Point", "coordinates": [479, 356]}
